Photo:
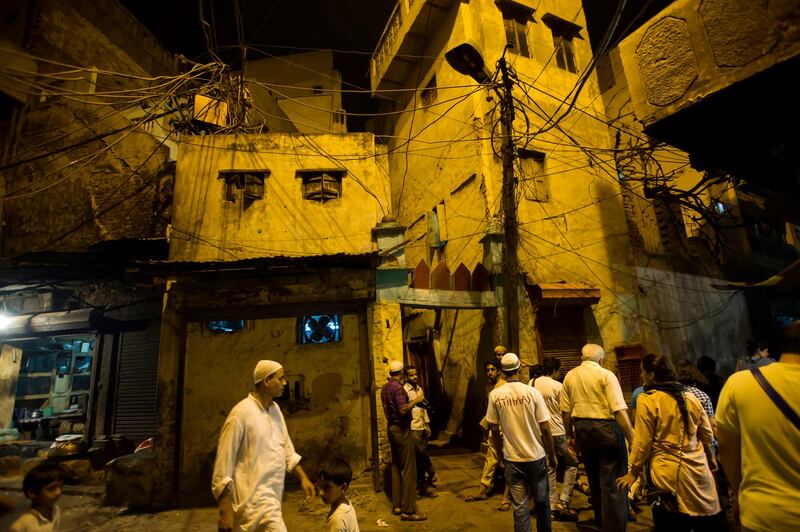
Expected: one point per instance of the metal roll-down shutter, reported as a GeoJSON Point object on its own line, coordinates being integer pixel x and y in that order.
{"type": "Point", "coordinates": [135, 414]}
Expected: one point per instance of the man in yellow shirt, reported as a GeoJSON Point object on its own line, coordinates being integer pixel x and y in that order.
{"type": "Point", "coordinates": [758, 442]}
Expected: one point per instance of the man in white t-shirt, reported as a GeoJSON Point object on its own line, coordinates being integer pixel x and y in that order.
{"type": "Point", "coordinates": [550, 389]}
{"type": "Point", "coordinates": [521, 412]}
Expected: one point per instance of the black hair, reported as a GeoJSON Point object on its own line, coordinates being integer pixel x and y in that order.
{"type": "Point", "coordinates": [490, 363]}
{"type": "Point", "coordinates": [336, 470]}
{"type": "Point", "coordinates": [665, 381]}
{"type": "Point", "coordinates": [536, 371]}
{"type": "Point", "coordinates": [687, 373]}
{"type": "Point", "coordinates": [42, 475]}
{"type": "Point", "coordinates": [550, 365]}
{"type": "Point", "coordinates": [753, 347]}
{"type": "Point", "coordinates": [789, 338]}
{"type": "Point", "coordinates": [409, 368]}
{"type": "Point", "coordinates": [706, 364]}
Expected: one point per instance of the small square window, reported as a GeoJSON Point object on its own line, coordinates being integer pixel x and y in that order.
{"type": "Point", "coordinates": [516, 18]}
{"type": "Point", "coordinates": [319, 329]}
{"type": "Point", "coordinates": [322, 185]}
{"type": "Point", "coordinates": [226, 326]}
{"type": "Point", "coordinates": [533, 176]}
{"type": "Point", "coordinates": [246, 186]}
{"type": "Point", "coordinates": [564, 34]}
{"type": "Point", "coordinates": [428, 94]}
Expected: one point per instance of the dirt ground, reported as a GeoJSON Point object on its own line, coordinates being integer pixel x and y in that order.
{"type": "Point", "coordinates": [448, 512]}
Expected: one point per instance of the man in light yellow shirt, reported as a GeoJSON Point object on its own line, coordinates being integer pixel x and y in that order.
{"type": "Point", "coordinates": [758, 444]}
{"type": "Point", "coordinates": [595, 417]}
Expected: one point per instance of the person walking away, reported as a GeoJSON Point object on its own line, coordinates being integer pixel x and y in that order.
{"type": "Point", "coordinates": [759, 357]}
{"type": "Point", "coordinates": [708, 367]}
{"type": "Point", "coordinates": [594, 413]}
{"type": "Point", "coordinates": [333, 481]}
{"type": "Point", "coordinates": [253, 455]}
{"type": "Point", "coordinates": [550, 388]}
{"type": "Point", "coordinates": [758, 427]}
{"type": "Point", "coordinates": [420, 432]}
{"type": "Point", "coordinates": [673, 439]}
{"type": "Point", "coordinates": [521, 411]}
{"type": "Point", "coordinates": [687, 374]}
{"type": "Point", "coordinates": [397, 408]}
{"type": "Point", "coordinates": [496, 380]}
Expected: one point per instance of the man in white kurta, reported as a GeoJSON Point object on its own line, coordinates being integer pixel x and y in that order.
{"type": "Point", "coordinates": [253, 456]}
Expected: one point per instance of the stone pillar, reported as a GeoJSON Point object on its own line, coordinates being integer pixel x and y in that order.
{"type": "Point", "coordinates": [170, 365]}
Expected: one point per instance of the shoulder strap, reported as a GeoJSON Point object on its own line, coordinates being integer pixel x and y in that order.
{"type": "Point", "coordinates": [779, 401]}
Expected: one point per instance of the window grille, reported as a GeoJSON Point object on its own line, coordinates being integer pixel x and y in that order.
{"type": "Point", "coordinates": [322, 185]}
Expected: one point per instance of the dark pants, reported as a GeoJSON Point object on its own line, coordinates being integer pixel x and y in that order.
{"type": "Point", "coordinates": [424, 465]}
{"type": "Point", "coordinates": [678, 522]}
{"type": "Point", "coordinates": [404, 469]}
{"type": "Point", "coordinates": [603, 452]}
{"type": "Point", "coordinates": [526, 480]}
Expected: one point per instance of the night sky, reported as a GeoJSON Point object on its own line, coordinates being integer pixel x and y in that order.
{"type": "Point", "coordinates": [275, 27]}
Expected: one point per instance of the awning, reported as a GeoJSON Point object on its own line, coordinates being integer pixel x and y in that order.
{"type": "Point", "coordinates": [542, 294]}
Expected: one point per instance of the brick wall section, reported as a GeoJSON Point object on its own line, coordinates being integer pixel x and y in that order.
{"type": "Point", "coordinates": [386, 343]}
{"type": "Point", "coordinates": [69, 207]}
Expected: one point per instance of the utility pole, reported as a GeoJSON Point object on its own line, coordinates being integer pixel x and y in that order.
{"type": "Point", "coordinates": [510, 227]}
{"type": "Point", "coordinates": [466, 59]}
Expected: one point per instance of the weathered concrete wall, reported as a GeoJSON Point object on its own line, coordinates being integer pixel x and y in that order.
{"type": "Point", "coordinates": [283, 223]}
{"type": "Point", "coordinates": [97, 191]}
{"type": "Point", "coordinates": [331, 418]}
{"type": "Point", "coordinates": [694, 48]}
{"type": "Point", "coordinates": [694, 319]}
{"type": "Point", "coordinates": [578, 234]}
{"type": "Point", "coordinates": [10, 359]}
{"type": "Point", "coordinates": [298, 92]}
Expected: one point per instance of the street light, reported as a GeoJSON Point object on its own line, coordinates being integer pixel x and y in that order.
{"type": "Point", "coordinates": [5, 321]}
{"type": "Point", "coordinates": [466, 59]}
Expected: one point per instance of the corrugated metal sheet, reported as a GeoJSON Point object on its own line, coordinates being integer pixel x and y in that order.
{"type": "Point", "coordinates": [135, 414]}
{"type": "Point", "coordinates": [562, 334]}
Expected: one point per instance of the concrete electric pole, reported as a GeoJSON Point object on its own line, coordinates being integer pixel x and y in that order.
{"type": "Point", "coordinates": [466, 59]}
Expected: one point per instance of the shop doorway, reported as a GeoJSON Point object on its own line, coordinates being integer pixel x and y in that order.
{"type": "Point", "coordinates": [53, 385]}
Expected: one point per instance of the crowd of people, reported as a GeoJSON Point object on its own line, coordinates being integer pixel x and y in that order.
{"type": "Point", "coordinates": [682, 423]}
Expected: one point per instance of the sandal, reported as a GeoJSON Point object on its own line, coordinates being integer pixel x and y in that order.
{"type": "Point", "coordinates": [475, 498]}
{"type": "Point", "coordinates": [504, 506]}
{"type": "Point", "coordinates": [413, 517]}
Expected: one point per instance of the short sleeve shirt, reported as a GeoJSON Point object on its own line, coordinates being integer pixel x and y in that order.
{"type": "Point", "coordinates": [592, 392]}
{"type": "Point", "coordinates": [769, 446]}
{"type": "Point", "coordinates": [518, 409]}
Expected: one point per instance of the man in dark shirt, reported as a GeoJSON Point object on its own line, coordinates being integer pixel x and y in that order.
{"type": "Point", "coordinates": [397, 409]}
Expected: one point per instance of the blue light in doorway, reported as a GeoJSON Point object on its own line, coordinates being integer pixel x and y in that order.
{"type": "Point", "coordinates": [226, 326]}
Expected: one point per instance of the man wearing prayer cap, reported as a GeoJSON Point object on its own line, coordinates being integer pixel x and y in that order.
{"type": "Point", "coordinates": [397, 409]}
{"type": "Point", "coordinates": [253, 455]}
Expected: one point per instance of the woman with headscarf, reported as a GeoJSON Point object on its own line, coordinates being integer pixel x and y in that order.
{"type": "Point", "coordinates": [673, 438]}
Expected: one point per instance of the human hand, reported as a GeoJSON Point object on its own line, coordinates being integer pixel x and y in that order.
{"type": "Point", "coordinates": [552, 461]}
{"type": "Point", "coordinates": [225, 523]}
{"type": "Point", "coordinates": [427, 431]}
{"type": "Point", "coordinates": [308, 489]}
{"type": "Point", "coordinates": [625, 482]}
{"type": "Point", "coordinates": [420, 396]}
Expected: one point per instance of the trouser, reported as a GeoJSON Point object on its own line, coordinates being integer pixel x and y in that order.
{"type": "Point", "coordinates": [570, 472]}
{"type": "Point", "coordinates": [603, 452]}
{"type": "Point", "coordinates": [404, 469]}
{"type": "Point", "coordinates": [489, 465]}
{"type": "Point", "coordinates": [664, 521]}
{"type": "Point", "coordinates": [424, 464]}
{"type": "Point", "coordinates": [526, 480]}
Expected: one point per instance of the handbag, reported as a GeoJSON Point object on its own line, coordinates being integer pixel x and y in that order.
{"type": "Point", "coordinates": [665, 500]}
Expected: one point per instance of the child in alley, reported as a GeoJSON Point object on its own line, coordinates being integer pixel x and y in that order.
{"type": "Point", "coordinates": [42, 485]}
{"type": "Point", "coordinates": [333, 481]}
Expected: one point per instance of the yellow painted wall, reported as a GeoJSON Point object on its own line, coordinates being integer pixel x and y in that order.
{"type": "Point", "coordinates": [207, 227]}
{"type": "Point", "coordinates": [219, 373]}
{"type": "Point", "coordinates": [580, 234]}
